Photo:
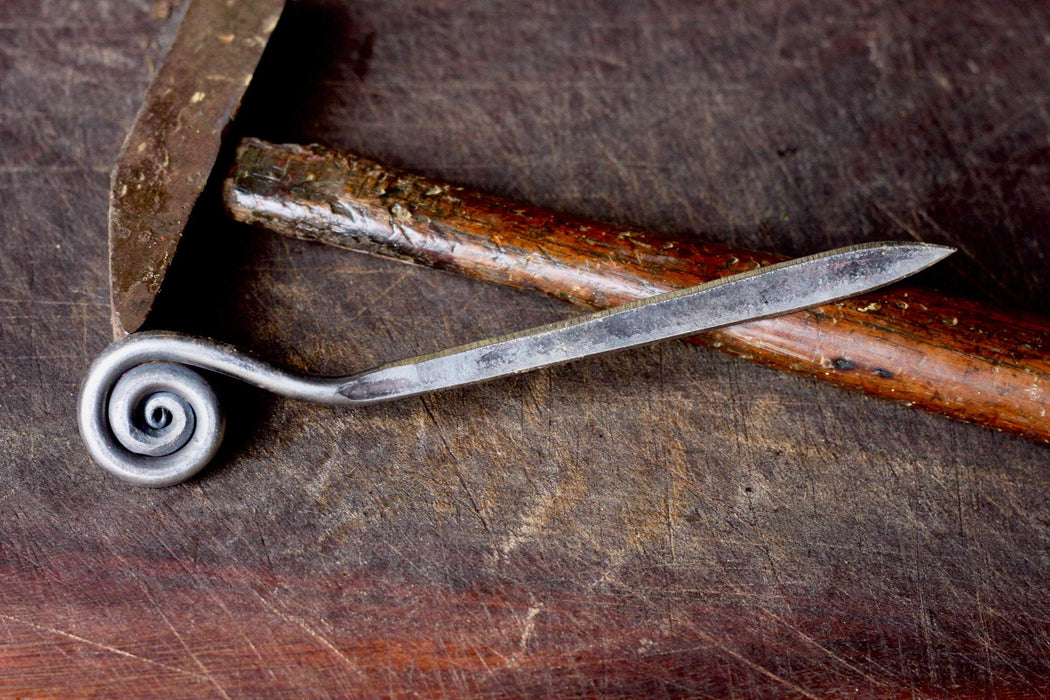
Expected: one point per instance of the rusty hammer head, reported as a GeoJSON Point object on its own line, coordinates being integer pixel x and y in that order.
{"type": "Point", "coordinates": [174, 143]}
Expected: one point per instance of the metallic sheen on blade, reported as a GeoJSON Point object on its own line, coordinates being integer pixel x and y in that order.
{"type": "Point", "coordinates": [149, 419]}
{"type": "Point", "coordinates": [170, 151]}
{"type": "Point", "coordinates": [768, 291]}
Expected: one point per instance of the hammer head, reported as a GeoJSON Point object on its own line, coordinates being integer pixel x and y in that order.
{"type": "Point", "coordinates": [174, 143]}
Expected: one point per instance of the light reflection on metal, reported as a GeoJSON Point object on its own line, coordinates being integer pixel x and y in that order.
{"type": "Point", "coordinates": [150, 420]}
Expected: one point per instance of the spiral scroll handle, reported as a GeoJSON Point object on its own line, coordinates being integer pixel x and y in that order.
{"type": "Point", "coordinates": [149, 419]}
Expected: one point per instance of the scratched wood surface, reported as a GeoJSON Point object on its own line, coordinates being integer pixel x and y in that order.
{"type": "Point", "coordinates": [666, 521]}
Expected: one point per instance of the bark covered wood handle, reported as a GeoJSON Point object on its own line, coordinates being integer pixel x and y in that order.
{"type": "Point", "coordinates": [914, 346]}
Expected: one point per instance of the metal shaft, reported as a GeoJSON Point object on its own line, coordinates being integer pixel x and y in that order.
{"type": "Point", "coordinates": [769, 291]}
{"type": "Point", "coordinates": [147, 418]}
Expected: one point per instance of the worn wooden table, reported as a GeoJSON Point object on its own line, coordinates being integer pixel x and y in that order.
{"type": "Point", "coordinates": [666, 521]}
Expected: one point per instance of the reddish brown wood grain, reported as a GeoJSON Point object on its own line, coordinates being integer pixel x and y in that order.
{"type": "Point", "coordinates": [951, 356]}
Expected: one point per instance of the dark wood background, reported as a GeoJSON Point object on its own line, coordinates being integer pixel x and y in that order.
{"type": "Point", "coordinates": [666, 521]}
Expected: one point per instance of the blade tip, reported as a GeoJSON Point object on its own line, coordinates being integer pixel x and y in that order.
{"type": "Point", "coordinates": [931, 253]}
{"type": "Point", "coordinates": [937, 252]}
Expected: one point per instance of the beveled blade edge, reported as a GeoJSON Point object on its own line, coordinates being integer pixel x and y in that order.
{"type": "Point", "coordinates": [782, 288]}
{"type": "Point", "coordinates": [171, 149]}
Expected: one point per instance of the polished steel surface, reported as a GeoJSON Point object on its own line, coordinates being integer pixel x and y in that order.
{"type": "Point", "coordinates": [768, 291]}
{"type": "Point", "coordinates": [150, 420]}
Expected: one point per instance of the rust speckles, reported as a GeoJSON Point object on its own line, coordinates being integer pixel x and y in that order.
{"type": "Point", "coordinates": [180, 125]}
{"type": "Point", "coordinates": [843, 364]}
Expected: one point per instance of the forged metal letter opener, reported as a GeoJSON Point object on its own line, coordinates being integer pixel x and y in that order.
{"type": "Point", "coordinates": [148, 419]}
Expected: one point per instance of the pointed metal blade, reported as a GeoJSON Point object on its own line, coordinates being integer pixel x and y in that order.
{"type": "Point", "coordinates": [768, 291]}
{"type": "Point", "coordinates": [173, 145]}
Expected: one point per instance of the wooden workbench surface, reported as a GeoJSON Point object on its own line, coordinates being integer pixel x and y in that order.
{"type": "Point", "coordinates": [667, 521]}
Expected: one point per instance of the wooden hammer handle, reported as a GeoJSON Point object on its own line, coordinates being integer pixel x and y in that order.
{"type": "Point", "coordinates": [914, 346]}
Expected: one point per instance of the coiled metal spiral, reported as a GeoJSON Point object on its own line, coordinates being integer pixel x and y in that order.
{"type": "Point", "coordinates": [148, 418]}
